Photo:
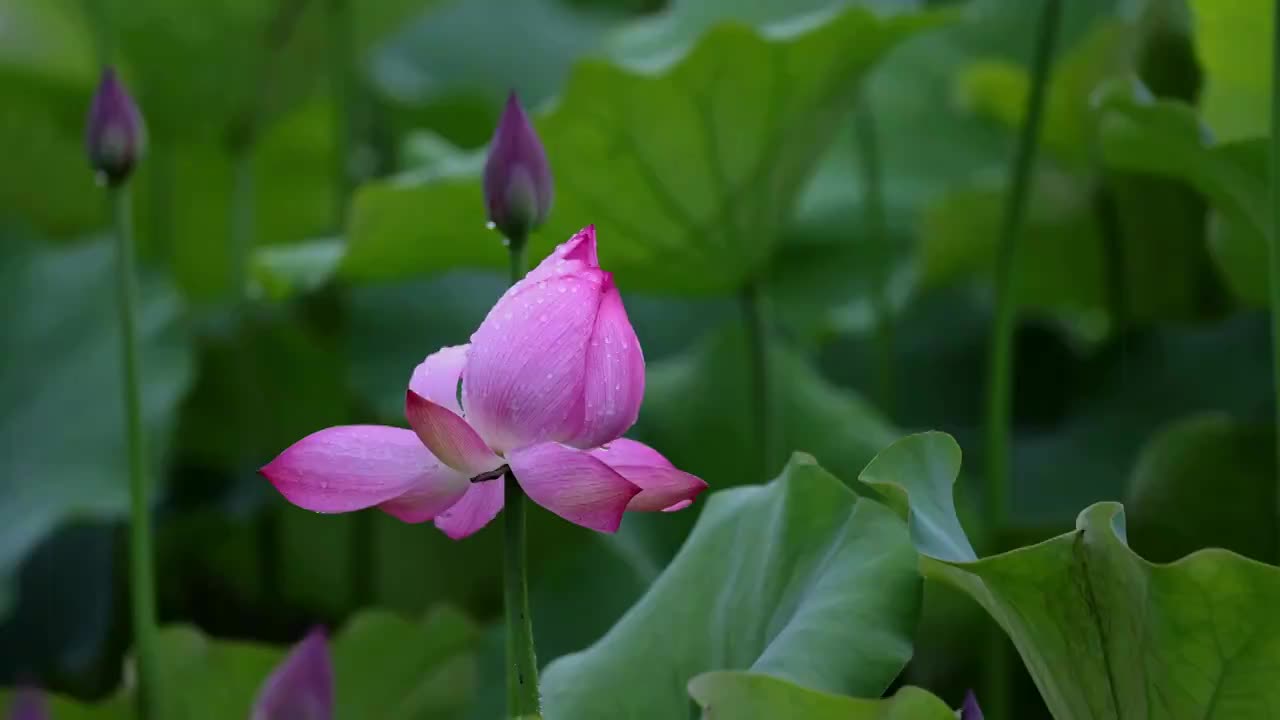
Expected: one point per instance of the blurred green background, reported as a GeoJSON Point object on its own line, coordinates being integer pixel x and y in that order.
{"type": "Point", "coordinates": [311, 226]}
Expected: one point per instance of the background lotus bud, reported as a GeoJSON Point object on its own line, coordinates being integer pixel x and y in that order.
{"type": "Point", "coordinates": [301, 686]}
{"type": "Point", "coordinates": [970, 710]}
{"type": "Point", "coordinates": [517, 179]}
{"type": "Point", "coordinates": [28, 704]}
{"type": "Point", "coordinates": [115, 135]}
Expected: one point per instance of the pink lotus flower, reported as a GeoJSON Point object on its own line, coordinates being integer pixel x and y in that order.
{"type": "Point", "coordinates": [551, 380]}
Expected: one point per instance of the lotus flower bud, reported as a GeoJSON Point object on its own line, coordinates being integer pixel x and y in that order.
{"type": "Point", "coordinates": [115, 135]}
{"type": "Point", "coordinates": [301, 686]}
{"type": "Point", "coordinates": [969, 710]}
{"type": "Point", "coordinates": [517, 180]}
{"type": "Point", "coordinates": [28, 704]}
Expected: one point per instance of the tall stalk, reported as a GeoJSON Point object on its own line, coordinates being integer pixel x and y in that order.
{"type": "Point", "coordinates": [142, 584]}
{"type": "Point", "coordinates": [522, 661]}
{"type": "Point", "coordinates": [1000, 359]}
{"type": "Point", "coordinates": [1274, 245]}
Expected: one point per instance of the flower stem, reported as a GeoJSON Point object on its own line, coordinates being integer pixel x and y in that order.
{"type": "Point", "coordinates": [1000, 359]}
{"type": "Point", "coordinates": [522, 661]}
{"type": "Point", "coordinates": [1274, 245]}
{"type": "Point", "coordinates": [873, 211]}
{"type": "Point", "coordinates": [141, 572]}
{"type": "Point", "coordinates": [758, 351]}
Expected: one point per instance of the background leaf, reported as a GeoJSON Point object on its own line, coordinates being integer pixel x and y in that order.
{"type": "Point", "coordinates": [63, 428]}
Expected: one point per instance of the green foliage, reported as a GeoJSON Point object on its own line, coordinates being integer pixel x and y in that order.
{"type": "Point", "coordinates": [749, 696]}
{"type": "Point", "coordinates": [697, 412]}
{"type": "Point", "coordinates": [1233, 44]}
{"type": "Point", "coordinates": [1168, 486]}
{"type": "Point", "coordinates": [63, 429]}
{"type": "Point", "coordinates": [743, 146]}
{"type": "Point", "coordinates": [1167, 138]}
{"type": "Point", "coordinates": [384, 666]}
{"type": "Point", "coordinates": [1121, 636]}
{"type": "Point", "coordinates": [811, 583]}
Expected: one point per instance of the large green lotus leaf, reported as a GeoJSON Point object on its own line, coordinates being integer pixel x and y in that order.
{"type": "Point", "coordinates": [687, 169]}
{"type": "Point", "coordinates": [1233, 44]}
{"type": "Point", "coordinates": [699, 412]}
{"type": "Point", "coordinates": [1162, 137]}
{"type": "Point", "coordinates": [727, 695]}
{"type": "Point", "coordinates": [1107, 634]}
{"type": "Point", "coordinates": [799, 578]}
{"type": "Point", "coordinates": [66, 457]}
{"type": "Point", "coordinates": [529, 45]}
{"type": "Point", "coordinates": [1205, 480]}
{"type": "Point", "coordinates": [1127, 638]}
{"type": "Point", "coordinates": [384, 666]}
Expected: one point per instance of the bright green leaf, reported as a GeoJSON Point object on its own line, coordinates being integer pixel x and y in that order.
{"type": "Point", "coordinates": [55, 468]}
{"type": "Point", "coordinates": [1107, 634]}
{"type": "Point", "coordinates": [752, 696]}
{"type": "Point", "coordinates": [1233, 44]}
{"type": "Point", "coordinates": [799, 578]}
{"type": "Point", "coordinates": [918, 472]}
{"type": "Point", "coordinates": [1166, 138]}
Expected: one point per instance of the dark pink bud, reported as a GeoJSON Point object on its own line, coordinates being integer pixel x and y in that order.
{"type": "Point", "coordinates": [301, 686]}
{"type": "Point", "coordinates": [115, 135]}
{"type": "Point", "coordinates": [517, 179]}
{"type": "Point", "coordinates": [970, 710]}
{"type": "Point", "coordinates": [28, 704]}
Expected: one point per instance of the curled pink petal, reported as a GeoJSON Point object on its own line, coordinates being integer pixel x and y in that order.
{"type": "Point", "coordinates": [573, 484]}
{"type": "Point", "coordinates": [436, 378]}
{"type": "Point", "coordinates": [524, 378]}
{"type": "Point", "coordinates": [614, 378]}
{"type": "Point", "coordinates": [476, 509]}
{"type": "Point", "coordinates": [301, 686]}
{"type": "Point", "coordinates": [352, 467]}
{"type": "Point", "coordinates": [662, 486]}
{"type": "Point", "coordinates": [449, 437]}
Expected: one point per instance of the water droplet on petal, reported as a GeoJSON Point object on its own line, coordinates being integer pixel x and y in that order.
{"type": "Point", "coordinates": [563, 289]}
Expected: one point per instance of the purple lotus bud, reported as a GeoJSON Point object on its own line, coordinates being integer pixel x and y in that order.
{"type": "Point", "coordinates": [970, 710]}
{"type": "Point", "coordinates": [517, 180]}
{"type": "Point", "coordinates": [301, 686]}
{"type": "Point", "coordinates": [115, 134]}
{"type": "Point", "coordinates": [28, 704]}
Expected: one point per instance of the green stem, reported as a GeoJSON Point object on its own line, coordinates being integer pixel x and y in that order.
{"type": "Point", "coordinates": [758, 352]}
{"type": "Point", "coordinates": [342, 75]}
{"type": "Point", "coordinates": [522, 661]}
{"type": "Point", "coordinates": [1000, 361]}
{"type": "Point", "coordinates": [1274, 245]}
{"type": "Point", "coordinates": [142, 584]}
{"type": "Point", "coordinates": [873, 209]}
